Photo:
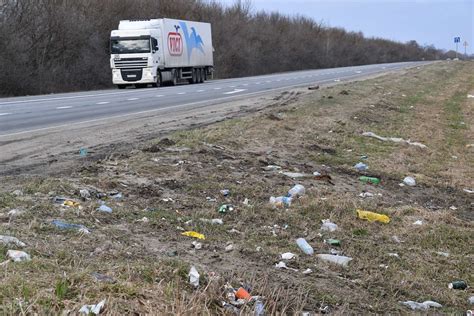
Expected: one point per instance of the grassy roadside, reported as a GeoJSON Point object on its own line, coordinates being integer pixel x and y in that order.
{"type": "Point", "coordinates": [176, 182]}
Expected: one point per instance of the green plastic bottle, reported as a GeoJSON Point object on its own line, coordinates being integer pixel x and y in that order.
{"type": "Point", "coordinates": [370, 180]}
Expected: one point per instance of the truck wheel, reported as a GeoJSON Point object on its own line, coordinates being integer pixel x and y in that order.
{"type": "Point", "coordinates": [158, 81]}
{"type": "Point", "coordinates": [193, 76]}
{"type": "Point", "coordinates": [201, 75]}
{"type": "Point", "coordinates": [121, 86]}
{"type": "Point", "coordinates": [174, 82]}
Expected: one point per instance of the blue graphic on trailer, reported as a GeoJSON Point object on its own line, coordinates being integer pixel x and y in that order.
{"type": "Point", "coordinates": [193, 40]}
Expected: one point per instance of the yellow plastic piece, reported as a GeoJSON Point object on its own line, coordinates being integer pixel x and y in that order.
{"type": "Point", "coordinates": [71, 203]}
{"type": "Point", "coordinates": [373, 217]}
{"type": "Point", "coordinates": [194, 234]}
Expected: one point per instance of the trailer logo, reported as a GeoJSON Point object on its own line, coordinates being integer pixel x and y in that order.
{"type": "Point", "coordinates": [175, 42]}
{"type": "Point", "coordinates": [193, 40]}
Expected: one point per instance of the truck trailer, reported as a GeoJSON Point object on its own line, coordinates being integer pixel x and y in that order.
{"type": "Point", "coordinates": [160, 51]}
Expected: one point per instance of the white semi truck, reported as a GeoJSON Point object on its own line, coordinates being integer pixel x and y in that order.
{"type": "Point", "coordinates": [160, 51]}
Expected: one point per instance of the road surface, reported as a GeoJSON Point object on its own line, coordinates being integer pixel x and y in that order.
{"type": "Point", "coordinates": [30, 115]}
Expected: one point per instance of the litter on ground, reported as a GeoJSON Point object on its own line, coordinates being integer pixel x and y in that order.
{"type": "Point", "coordinates": [92, 309]}
{"type": "Point", "coordinates": [373, 217]}
{"type": "Point", "coordinates": [340, 260]}
{"type": "Point", "coordinates": [194, 234]}
{"type": "Point", "coordinates": [18, 256]}
{"type": "Point", "coordinates": [394, 139]}
{"type": "Point", "coordinates": [421, 306]}
{"type": "Point", "coordinates": [9, 240]}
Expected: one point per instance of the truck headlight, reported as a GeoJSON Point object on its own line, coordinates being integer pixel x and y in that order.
{"type": "Point", "coordinates": [147, 72]}
{"type": "Point", "coordinates": [116, 73]}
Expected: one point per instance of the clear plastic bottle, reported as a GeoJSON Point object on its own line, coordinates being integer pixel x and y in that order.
{"type": "Point", "coordinates": [281, 201]}
{"type": "Point", "coordinates": [297, 190]}
{"type": "Point", "coordinates": [304, 246]}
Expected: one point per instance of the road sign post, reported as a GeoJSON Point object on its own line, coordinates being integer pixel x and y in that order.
{"type": "Point", "coordinates": [457, 40]}
{"type": "Point", "coordinates": [465, 44]}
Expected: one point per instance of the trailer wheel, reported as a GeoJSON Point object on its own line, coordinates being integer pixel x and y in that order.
{"type": "Point", "coordinates": [174, 82]}
{"type": "Point", "coordinates": [193, 77]}
{"type": "Point", "coordinates": [198, 75]}
{"type": "Point", "coordinates": [201, 75]}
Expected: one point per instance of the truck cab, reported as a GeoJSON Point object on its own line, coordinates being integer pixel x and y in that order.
{"type": "Point", "coordinates": [136, 53]}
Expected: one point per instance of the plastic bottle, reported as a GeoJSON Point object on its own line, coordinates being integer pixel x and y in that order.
{"type": "Point", "coordinates": [304, 246]}
{"type": "Point", "coordinates": [361, 166]}
{"type": "Point", "coordinates": [410, 181]}
{"type": "Point", "coordinates": [259, 309]}
{"type": "Point", "coordinates": [281, 201]}
{"type": "Point", "coordinates": [370, 180]}
{"type": "Point", "coordinates": [297, 190]}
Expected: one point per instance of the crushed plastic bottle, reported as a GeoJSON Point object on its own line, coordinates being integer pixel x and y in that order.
{"type": "Point", "coordinates": [340, 260]}
{"type": "Point", "coordinates": [9, 240]}
{"type": "Point", "coordinates": [18, 256]}
{"type": "Point", "coordinates": [410, 181]}
{"type": "Point", "coordinates": [64, 225]}
{"type": "Point", "coordinates": [304, 246]}
{"type": "Point", "coordinates": [104, 208]}
{"type": "Point", "coordinates": [361, 166]}
{"type": "Point", "coordinates": [328, 226]}
{"type": "Point", "coordinates": [281, 201]}
{"type": "Point", "coordinates": [297, 190]}
{"type": "Point", "coordinates": [259, 309]}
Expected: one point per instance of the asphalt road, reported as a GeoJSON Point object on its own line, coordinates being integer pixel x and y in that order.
{"type": "Point", "coordinates": [34, 114]}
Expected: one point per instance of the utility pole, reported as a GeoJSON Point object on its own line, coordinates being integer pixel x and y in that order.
{"type": "Point", "coordinates": [465, 48]}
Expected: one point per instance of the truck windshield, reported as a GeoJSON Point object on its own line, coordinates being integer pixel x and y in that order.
{"type": "Point", "coordinates": [130, 46]}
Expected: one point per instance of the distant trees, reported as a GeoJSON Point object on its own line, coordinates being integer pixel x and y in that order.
{"type": "Point", "coordinates": [62, 45]}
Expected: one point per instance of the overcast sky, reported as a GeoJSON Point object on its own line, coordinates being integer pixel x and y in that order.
{"type": "Point", "coordinates": [426, 21]}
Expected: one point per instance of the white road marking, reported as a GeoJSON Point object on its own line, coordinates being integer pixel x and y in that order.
{"type": "Point", "coordinates": [200, 90]}
{"type": "Point", "coordinates": [358, 72]}
{"type": "Point", "coordinates": [337, 80]}
{"type": "Point", "coordinates": [159, 95]}
{"type": "Point", "coordinates": [217, 88]}
{"type": "Point", "coordinates": [245, 84]}
{"type": "Point", "coordinates": [133, 99]}
{"type": "Point", "coordinates": [268, 81]}
{"type": "Point", "coordinates": [3, 114]}
{"type": "Point", "coordinates": [181, 93]}
{"type": "Point", "coordinates": [104, 102]}
{"type": "Point", "coordinates": [67, 98]}
{"type": "Point", "coordinates": [63, 107]}
{"type": "Point", "coordinates": [231, 86]}
{"type": "Point", "coordinates": [235, 91]}
{"type": "Point", "coordinates": [258, 83]}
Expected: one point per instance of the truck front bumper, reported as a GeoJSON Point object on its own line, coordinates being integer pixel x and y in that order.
{"type": "Point", "coordinates": [133, 76]}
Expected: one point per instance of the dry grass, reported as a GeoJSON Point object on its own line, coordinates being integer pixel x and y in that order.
{"type": "Point", "coordinates": [310, 131]}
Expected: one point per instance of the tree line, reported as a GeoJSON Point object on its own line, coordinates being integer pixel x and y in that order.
{"type": "Point", "coordinates": [63, 45]}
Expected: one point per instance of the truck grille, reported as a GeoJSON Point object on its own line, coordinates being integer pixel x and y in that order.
{"type": "Point", "coordinates": [132, 74]}
{"type": "Point", "coordinates": [131, 62]}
